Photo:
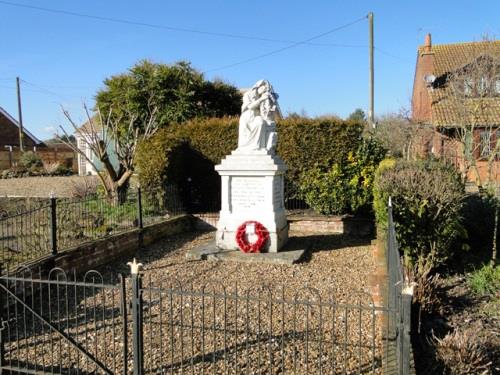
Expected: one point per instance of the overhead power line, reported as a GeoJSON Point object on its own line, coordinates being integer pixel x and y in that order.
{"type": "Point", "coordinates": [294, 44]}
{"type": "Point", "coordinates": [168, 27]}
{"type": "Point", "coordinates": [392, 55]}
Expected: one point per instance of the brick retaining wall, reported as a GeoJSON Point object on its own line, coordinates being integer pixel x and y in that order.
{"type": "Point", "coordinates": [97, 253]}
{"type": "Point", "coordinates": [309, 224]}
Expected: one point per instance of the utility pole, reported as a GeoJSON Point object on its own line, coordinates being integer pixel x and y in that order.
{"type": "Point", "coordinates": [21, 147]}
{"type": "Point", "coordinates": [371, 111]}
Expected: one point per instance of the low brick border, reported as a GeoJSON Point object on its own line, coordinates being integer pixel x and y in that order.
{"type": "Point", "coordinates": [311, 224]}
{"type": "Point", "coordinates": [96, 253]}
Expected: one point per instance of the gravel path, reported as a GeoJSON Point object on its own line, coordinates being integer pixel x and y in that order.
{"type": "Point", "coordinates": [215, 317]}
{"type": "Point", "coordinates": [40, 186]}
{"type": "Point", "coordinates": [333, 265]}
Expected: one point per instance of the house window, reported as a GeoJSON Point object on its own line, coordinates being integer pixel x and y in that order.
{"type": "Point", "coordinates": [497, 86]}
{"type": "Point", "coordinates": [482, 85]}
{"type": "Point", "coordinates": [485, 144]}
{"type": "Point", "coordinates": [468, 86]}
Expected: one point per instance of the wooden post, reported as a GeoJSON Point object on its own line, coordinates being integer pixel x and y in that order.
{"type": "Point", "coordinates": [371, 111]}
{"type": "Point", "coordinates": [21, 133]}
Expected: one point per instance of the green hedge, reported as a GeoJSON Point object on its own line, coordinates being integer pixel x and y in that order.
{"type": "Point", "coordinates": [427, 198]}
{"type": "Point", "coordinates": [302, 143]}
{"type": "Point", "coordinates": [346, 186]}
{"type": "Point", "coordinates": [188, 152]}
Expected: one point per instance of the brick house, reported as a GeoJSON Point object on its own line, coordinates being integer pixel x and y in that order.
{"type": "Point", "coordinates": [456, 93]}
{"type": "Point", "coordinates": [9, 140]}
{"type": "Point", "coordinates": [10, 151]}
{"type": "Point", "coordinates": [9, 132]}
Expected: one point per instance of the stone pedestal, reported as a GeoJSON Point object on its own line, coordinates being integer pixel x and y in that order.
{"type": "Point", "coordinates": [252, 189]}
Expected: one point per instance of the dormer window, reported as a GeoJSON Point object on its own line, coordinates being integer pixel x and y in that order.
{"type": "Point", "coordinates": [485, 144]}
{"type": "Point", "coordinates": [468, 86]}
{"type": "Point", "coordinates": [497, 86]}
{"type": "Point", "coordinates": [482, 86]}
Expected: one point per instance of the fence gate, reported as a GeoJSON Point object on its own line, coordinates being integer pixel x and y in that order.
{"type": "Point", "coordinates": [60, 325]}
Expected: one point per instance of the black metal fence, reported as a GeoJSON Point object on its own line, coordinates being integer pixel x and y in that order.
{"type": "Point", "coordinates": [399, 300]}
{"type": "Point", "coordinates": [63, 223]}
{"type": "Point", "coordinates": [293, 199]}
{"type": "Point", "coordinates": [61, 324]}
{"type": "Point", "coordinates": [60, 223]}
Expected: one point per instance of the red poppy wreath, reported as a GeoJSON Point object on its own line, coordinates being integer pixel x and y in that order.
{"type": "Point", "coordinates": [242, 241]}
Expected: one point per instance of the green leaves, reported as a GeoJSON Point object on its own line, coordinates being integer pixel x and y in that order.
{"type": "Point", "coordinates": [178, 92]}
{"type": "Point", "coordinates": [346, 186]}
{"type": "Point", "coordinates": [427, 200]}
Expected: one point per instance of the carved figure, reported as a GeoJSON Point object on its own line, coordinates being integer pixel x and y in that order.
{"type": "Point", "coordinates": [257, 126]}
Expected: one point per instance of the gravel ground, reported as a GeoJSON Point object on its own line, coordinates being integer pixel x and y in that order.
{"type": "Point", "coordinates": [40, 186]}
{"type": "Point", "coordinates": [236, 318]}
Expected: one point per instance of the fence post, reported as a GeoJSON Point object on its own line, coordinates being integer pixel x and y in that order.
{"type": "Point", "coordinates": [53, 223]}
{"type": "Point", "coordinates": [137, 337]}
{"type": "Point", "coordinates": [139, 207]}
{"type": "Point", "coordinates": [2, 326]}
{"type": "Point", "coordinates": [123, 308]}
{"type": "Point", "coordinates": [406, 299]}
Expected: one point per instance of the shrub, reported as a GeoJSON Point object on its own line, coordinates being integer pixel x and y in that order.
{"type": "Point", "coordinates": [84, 187]}
{"type": "Point", "coordinates": [463, 352]}
{"type": "Point", "coordinates": [485, 280]}
{"type": "Point", "coordinates": [302, 143]}
{"type": "Point", "coordinates": [479, 219]}
{"type": "Point", "coordinates": [51, 168]}
{"type": "Point", "coordinates": [427, 201]}
{"type": "Point", "coordinates": [347, 185]}
{"type": "Point", "coordinates": [30, 160]}
{"type": "Point", "coordinates": [426, 288]}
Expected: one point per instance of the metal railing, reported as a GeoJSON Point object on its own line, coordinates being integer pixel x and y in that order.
{"type": "Point", "coordinates": [293, 198]}
{"type": "Point", "coordinates": [60, 223]}
{"type": "Point", "coordinates": [400, 295]}
{"type": "Point", "coordinates": [61, 324]}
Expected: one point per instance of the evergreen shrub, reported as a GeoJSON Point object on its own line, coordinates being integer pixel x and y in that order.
{"type": "Point", "coordinates": [185, 154]}
{"type": "Point", "coordinates": [427, 199]}
{"type": "Point", "coordinates": [346, 186]}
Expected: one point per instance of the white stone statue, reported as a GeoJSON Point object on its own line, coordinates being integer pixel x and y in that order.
{"type": "Point", "coordinates": [257, 127]}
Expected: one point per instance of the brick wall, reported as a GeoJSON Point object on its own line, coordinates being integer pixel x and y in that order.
{"type": "Point", "coordinates": [97, 253]}
{"type": "Point", "coordinates": [47, 154]}
{"type": "Point", "coordinates": [331, 225]}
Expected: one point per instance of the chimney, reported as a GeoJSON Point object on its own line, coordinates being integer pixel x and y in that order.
{"type": "Point", "coordinates": [421, 100]}
{"type": "Point", "coordinates": [428, 43]}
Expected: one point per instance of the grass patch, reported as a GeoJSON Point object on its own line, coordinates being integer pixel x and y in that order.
{"type": "Point", "coordinates": [485, 280]}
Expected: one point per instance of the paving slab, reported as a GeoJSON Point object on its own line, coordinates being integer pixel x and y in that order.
{"type": "Point", "coordinates": [209, 251]}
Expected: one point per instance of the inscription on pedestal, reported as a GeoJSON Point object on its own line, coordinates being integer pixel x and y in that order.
{"type": "Point", "coordinates": [247, 192]}
{"type": "Point", "coordinates": [277, 193]}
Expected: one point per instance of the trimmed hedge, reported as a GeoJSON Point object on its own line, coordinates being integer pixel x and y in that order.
{"type": "Point", "coordinates": [346, 186]}
{"type": "Point", "coordinates": [302, 143]}
{"type": "Point", "coordinates": [427, 198]}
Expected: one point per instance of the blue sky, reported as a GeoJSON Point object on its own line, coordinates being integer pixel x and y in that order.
{"type": "Point", "coordinates": [63, 59]}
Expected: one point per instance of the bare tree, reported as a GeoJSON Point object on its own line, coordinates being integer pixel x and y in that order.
{"type": "Point", "coordinates": [472, 94]}
{"type": "Point", "coordinates": [400, 135]}
{"type": "Point", "coordinates": [99, 134]}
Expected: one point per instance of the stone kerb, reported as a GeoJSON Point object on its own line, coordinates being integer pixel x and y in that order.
{"type": "Point", "coordinates": [252, 189]}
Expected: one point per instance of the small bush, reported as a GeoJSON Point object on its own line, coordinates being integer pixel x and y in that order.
{"type": "Point", "coordinates": [485, 280]}
{"type": "Point", "coordinates": [51, 168]}
{"type": "Point", "coordinates": [85, 187]}
{"type": "Point", "coordinates": [426, 291]}
{"type": "Point", "coordinates": [479, 219]}
{"type": "Point", "coordinates": [346, 187]}
{"type": "Point", "coordinates": [427, 201]}
{"type": "Point", "coordinates": [30, 160]}
{"type": "Point", "coordinates": [463, 353]}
